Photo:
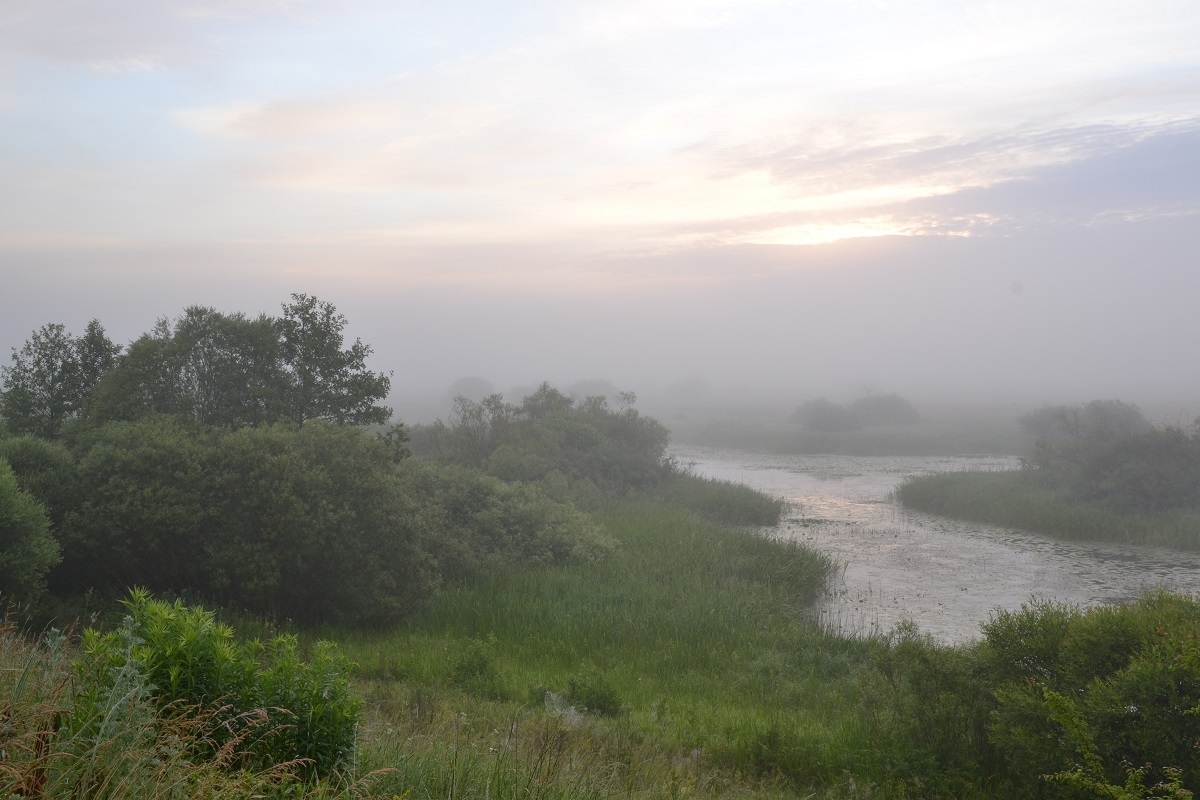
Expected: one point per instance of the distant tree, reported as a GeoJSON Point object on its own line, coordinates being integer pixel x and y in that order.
{"type": "Point", "coordinates": [146, 379]}
{"type": "Point", "coordinates": [53, 377]}
{"type": "Point", "coordinates": [235, 371]}
{"type": "Point", "coordinates": [825, 415]}
{"type": "Point", "coordinates": [324, 381]}
{"type": "Point", "coordinates": [884, 409]}
{"type": "Point", "coordinates": [230, 366]}
{"type": "Point", "coordinates": [27, 550]}
{"type": "Point", "coordinates": [471, 387]}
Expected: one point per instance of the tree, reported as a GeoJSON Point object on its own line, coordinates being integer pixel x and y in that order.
{"type": "Point", "coordinates": [826, 416]}
{"type": "Point", "coordinates": [325, 381]}
{"type": "Point", "coordinates": [231, 367]}
{"type": "Point", "coordinates": [53, 378]}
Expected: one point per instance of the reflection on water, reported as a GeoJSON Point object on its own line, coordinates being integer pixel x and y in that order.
{"type": "Point", "coordinates": [946, 575]}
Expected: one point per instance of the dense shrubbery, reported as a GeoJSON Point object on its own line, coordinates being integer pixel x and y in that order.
{"type": "Point", "coordinates": [260, 700]}
{"type": "Point", "coordinates": [586, 448]}
{"type": "Point", "coordinates": [27, 550]}
{"type": "Point", "coordinates": [319, 523]}
{"type": "Point", "coordinates": [1107, 452]}
{"type": "Point", "coordinates": [884, 409]}
{"type": "Point", "coordinates": [170, 705]}
{"type": "Point", "coordinates": [485, 524]}
{"type": "Point", "coordinates": [1099, 471]}
{"type": "Point", "coordinates": [1054, 699]}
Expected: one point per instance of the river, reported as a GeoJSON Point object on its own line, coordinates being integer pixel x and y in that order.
{"type": "Point", "coordinates": [946, 575]}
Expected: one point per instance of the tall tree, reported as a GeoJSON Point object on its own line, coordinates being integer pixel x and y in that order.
{"type": "Point", "coordinates": [53, 378]}
{"type": "Point", "coordinates": [325, 381]}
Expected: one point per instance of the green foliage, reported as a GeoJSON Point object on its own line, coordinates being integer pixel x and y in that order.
{"type": "Point", "coordinates": [1022, 499]}
{"type": "Point", "coordinates": [721, 501]}
{"type": "Point", "coordinates": [590, 691]}
{"type": "Point", "coordinates": [46, 470]}
{"type": "Point", "coordinates": [27, 550]}
{"type": "Point", "coordinates": [1107, 452]}
{"type": "Point", "coordinates": [324, 381]}
{"type": "Point", "coordinates": [231, 370]}
{"type": "Point", "coordinates": [475, 671]}
{"type": "Point", "coordinates": [483, 524]}
{"type": "Point", "coordinates": [1132, 673]}
{"type": "Point", "coordinates": [928, 706]}
{"type": "Point", "coordinates": [309, 524]}
{"type": "Point", "coordinates": [262, 700]}
{"type": "Point", "coordinates": [53, 377]}
{"type": "Point", "coordinates": [550, 438]}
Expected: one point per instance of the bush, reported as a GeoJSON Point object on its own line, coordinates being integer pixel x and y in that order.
{"type": "Point", "coordinates": [260, 699]}
{"type": "Point", "coordinates": [884, 409]}
{"type": "Point", "coordinates": [825, 415]}
{"type": "Point", "coordinates": [27, 550]}
{"type": "Point", "coordinates": [549, 434]}
{"type": "Point", "coordinates": [590, 691]}
{"type": "Point", "coordinates": [310, 524]}
{"type": "Point", "coordinates": [1132, 676]}
{"type": "Point", "coordinates": [481, 524]}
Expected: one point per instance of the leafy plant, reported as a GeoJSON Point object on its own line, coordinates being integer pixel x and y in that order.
{"type": "Point", "coordinates": [261, 700]}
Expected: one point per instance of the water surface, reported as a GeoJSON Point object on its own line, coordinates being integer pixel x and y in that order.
{"type": "Point", "coordinates": [946, 575]}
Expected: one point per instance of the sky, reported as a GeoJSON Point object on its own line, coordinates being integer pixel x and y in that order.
{"type": "Point", "coordinates": [965, 200]}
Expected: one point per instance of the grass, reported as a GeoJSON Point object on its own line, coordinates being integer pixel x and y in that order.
{"type": "Point", "coordinates": [721, 681]}
{"type": "Point", "coordinates": [721, 501]}
{"type": "Point", "coordinates": [1014, 499]}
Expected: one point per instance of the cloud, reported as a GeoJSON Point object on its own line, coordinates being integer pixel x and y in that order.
{"type": "Point", "coordinates": [123, 35]}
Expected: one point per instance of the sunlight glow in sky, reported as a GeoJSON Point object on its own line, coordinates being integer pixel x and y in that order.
{"type": "Point", "coordinates": [641, 124]}
{"type": "Point", "coordinates": [587, 146]}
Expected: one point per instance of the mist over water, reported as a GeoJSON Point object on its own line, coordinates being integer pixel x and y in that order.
{"type": "Point", "coordinates": [946, 575]}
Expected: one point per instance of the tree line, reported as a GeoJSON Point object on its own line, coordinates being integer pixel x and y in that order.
{"type": "Point", "coordinates": [241, 460]}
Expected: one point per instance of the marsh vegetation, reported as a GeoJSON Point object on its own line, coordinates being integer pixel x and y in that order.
{"type": "Point", "coordinates": [1098, 471]}
{"type": "Point", "coordinates": [528, 599]}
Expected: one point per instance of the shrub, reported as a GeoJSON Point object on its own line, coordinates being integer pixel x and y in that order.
{"type": "Point", "coordinates": [27, 550]}
{"type": "Point", "coordinates": [884, 409]}
{"type": "Point", "coordinates": [309, 524]}
{"type": "Point", "coordinates": [589, 690]}
{"type": "Point", "coordinates": [825, 415]}
{"type": "Point", "coordinates": [550, 434]}
{"type": "Point", "coordinates": [483, 524]}
{"type": "Point", "coordinates": [1132, 676]}
{"type": "Point", "coordinates": [261, 699]}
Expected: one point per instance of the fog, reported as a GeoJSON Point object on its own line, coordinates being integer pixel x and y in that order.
{"type": "Point", "coordinates": [688, 205]}
{"type": "Point", "coordinates": [1030, 317]}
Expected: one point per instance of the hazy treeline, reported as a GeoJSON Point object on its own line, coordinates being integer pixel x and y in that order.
{"type": "Point", "coordinates": [872, 410]}
{"type": "Point", "coordinates": [1098, 470]}
{"type": "Point", "coordinates": [224, 457]}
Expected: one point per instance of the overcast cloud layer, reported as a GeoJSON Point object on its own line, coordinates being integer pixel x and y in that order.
{"type": "Point", "coordinates": [986, 199]}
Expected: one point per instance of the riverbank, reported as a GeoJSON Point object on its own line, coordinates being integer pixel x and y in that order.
{"type": "Point", "coordinates": [1018, 499]}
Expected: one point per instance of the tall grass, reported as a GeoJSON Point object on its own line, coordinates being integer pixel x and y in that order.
{"type": "Point", "coordinates": [721, 501]}
{"type": "Point", "coordinates": [1015, 499]}
{"type": "Point", "coordinates": [698, 636]}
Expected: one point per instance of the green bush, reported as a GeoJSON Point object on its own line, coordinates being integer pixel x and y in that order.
{"type": "Point", "coordinates": [310, 524]}
{"type": "Point", "coordinates": [590, 691]}
{"type": "Point", "coordinates": [260, 699]}
{"type": "Point", "coordinates": [550, 434]}
{"type": "Point", "coordinates": [1132, 676]}
{"type": "Point", "coordinates": [27, 550]}
{"type": "Point", "coordinates": [483, 523]}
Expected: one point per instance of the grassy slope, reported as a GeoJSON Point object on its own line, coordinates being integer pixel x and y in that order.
{"type": "Point", "coordinates": [699, 631]}
{"type": "Point", "coordinates": [1014, 500]}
